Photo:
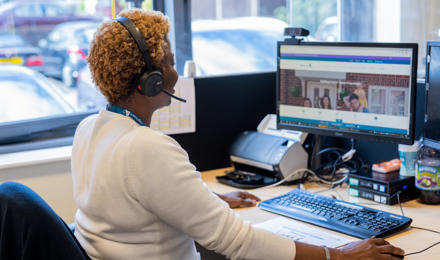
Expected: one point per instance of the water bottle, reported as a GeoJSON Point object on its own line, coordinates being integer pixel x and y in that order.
{"type": "Point", "coordinates": [428, 174]}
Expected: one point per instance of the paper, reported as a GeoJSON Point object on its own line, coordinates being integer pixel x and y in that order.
{"type": "Point", "coordinates": [178, 117]}
{"type": "Point", "coordinates": [300, 232]}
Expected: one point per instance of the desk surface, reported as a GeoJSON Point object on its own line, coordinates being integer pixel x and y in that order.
{"type": "Point", "coordinates": [411, 240]}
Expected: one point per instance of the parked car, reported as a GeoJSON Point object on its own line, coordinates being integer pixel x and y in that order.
{"type": "Point", "coordinates": [14, 49]}
{"type": "Point", "coordinates": [34, 19]}
{"type": "Point", "coordinates": [89, 97]}
{"type": "Point", "coordinates": [245, 44]}
{"type": "Point", "coordinates": [65, 50]}
{"type": "Point", "coordinates": [27, 94]}
{"type": "Point", "coordinates": [219, 47]}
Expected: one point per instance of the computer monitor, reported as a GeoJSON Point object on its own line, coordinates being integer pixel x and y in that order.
{"type": "Point", "coordinates": [432, 118]}
{"type": "Point", "coordinates": [347, 89]}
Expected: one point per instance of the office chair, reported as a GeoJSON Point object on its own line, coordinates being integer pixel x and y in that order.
{"type": "Point", "coordinates": [30, 229]}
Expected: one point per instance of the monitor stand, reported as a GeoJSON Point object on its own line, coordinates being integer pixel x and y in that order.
{"type": "Point", "coordinates": [333, 164]}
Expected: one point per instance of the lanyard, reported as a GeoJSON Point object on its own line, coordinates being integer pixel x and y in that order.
{"type": "Point", "coordinates": [125, 112]}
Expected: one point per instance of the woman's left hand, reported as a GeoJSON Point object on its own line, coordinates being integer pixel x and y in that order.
{"type": "Point", "coordinates": [239, 199]}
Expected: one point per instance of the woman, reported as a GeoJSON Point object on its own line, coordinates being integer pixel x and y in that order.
{"type": "Point", "coordinates": [138, 195]}
{"type": "Point", "coordinates": [325, 102]}
{"type": "Point", "coordinates": [307, 102]}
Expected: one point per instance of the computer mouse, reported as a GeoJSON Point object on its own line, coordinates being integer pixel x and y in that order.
{"type": "Point", "coordinates": [398, 256]}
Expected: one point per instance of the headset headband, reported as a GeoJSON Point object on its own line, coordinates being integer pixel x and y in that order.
{"type": "Point", "coordinates": [138, 38]}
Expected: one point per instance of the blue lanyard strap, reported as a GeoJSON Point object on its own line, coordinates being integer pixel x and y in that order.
{"type": "Point", "coordinates": [125, 112]}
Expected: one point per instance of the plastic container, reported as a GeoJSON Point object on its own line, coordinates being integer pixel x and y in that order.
{"type": "Point", "coordinates": [408, 158]}
{"type": "Point", "coordinates": [428, 174]}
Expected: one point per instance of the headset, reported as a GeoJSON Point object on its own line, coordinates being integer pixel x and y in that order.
{"type": "Point", "coordinates": [149, 82]}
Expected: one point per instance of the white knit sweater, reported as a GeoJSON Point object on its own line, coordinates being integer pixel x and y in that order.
{"type": "Point", "coordinates": [139, 197]}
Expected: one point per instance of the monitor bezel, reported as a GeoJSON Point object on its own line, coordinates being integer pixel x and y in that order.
{"type": "Point", "coordinates": [348, 133]}
{"type": "Point", "coordinates": [428, 140]}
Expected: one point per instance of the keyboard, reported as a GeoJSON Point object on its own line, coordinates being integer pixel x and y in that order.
{"type": "Point", "coordinates": [345, 217]}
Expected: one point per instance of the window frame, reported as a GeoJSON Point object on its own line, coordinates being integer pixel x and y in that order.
{"type": "Point", "coordinates": [39, 133]}
{"type": "Point", "coordinates": [388, 98]}
{"type": "Point", "coordinates": [179, 13]}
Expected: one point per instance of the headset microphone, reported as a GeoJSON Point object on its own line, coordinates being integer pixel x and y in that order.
{"type": "Point", "coordinates": [171, 95]}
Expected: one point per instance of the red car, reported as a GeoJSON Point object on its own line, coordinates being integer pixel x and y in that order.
{"type": "Point", "coordinates": [33, 20]}
{"type": "Point", "coordinates": [13, 49]}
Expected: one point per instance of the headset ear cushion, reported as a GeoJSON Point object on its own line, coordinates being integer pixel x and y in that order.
{"type": "Point", "coordinates": [151, 84]}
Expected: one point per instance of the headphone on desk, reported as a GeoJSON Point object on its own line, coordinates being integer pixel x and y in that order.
{"type": "Point", "coordinates": [149, 82]}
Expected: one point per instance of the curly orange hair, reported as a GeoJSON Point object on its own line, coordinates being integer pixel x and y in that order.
{"type": "Point", "coordinates": [115, 59]}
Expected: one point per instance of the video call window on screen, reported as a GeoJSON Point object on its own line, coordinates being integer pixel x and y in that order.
{"type": "Point", "coordinates": [355, 89]}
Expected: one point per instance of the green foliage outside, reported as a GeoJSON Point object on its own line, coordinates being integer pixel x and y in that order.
{"type": "Point", "coordinates": [281, 13]}
{"type": "Point", "coordinates": [344, 92]}
{"type": "Point", "coordinates": [146, 4]}
{"type": "Point", "coordinates": [295, 91]}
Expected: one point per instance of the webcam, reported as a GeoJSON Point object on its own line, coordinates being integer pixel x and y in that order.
{"type": "Point", "coordinates": [296, 32]}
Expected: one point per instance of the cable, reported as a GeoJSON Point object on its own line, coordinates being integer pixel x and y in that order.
{"type": "Point", "coordinates": [348, 155]}
{"type": "Point", "coordinates": [307, 171]}
{"type": "Point", "coordinates": [426, 229]}
{"type": "Point", "coordinates": [337, 192]}
{"type": "Point", "coordinates": [397, 193]}
{"type": "Point", "coordinates": [285, 178]}
{"type": "Point", "coordinates": [423, 250]}
{"type": "Point", "coordinates": [338, 162]}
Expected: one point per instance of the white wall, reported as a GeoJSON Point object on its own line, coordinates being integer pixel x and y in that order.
{"type": "Point", "coordinates": [50, 179]}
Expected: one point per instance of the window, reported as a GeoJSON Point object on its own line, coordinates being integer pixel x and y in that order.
{"type": "Point", "coordinates": [231, 36]}
{"type": "Point", "coordinates": [43, 49]}
{"type": "Point", "coordinates": [388, 100]}
{"type": "Point", "coordinates": [327, 20]}
{"type": "Point", "coordinates": [221, 36]}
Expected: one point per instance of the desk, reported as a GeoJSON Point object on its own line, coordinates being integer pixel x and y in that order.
{"type": "Point", "coordinates": [411, 240]}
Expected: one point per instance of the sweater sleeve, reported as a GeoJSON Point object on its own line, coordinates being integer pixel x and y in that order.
{"type": "Point", "coordinates": [174, 191]}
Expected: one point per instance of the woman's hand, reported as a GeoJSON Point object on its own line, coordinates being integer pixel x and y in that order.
{"type": "Point", "coordinates": [239, 199]}
{"type": "Point", "coordinates": [368, 249]}
{"type": "Point", "coordinates": [375, 248]}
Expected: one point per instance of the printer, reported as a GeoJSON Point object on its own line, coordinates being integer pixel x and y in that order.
{"type": "Point", "coordinates": [265, 156]}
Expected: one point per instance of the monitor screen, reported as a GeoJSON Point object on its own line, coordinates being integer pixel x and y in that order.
{"type": "Point", "coordinates": [432, 119]}
{"type": "Point", "coordinates": [351, 90]}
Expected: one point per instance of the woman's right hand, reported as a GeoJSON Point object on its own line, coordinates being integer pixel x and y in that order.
{"type": "Point", "coordinates": [374, 248]}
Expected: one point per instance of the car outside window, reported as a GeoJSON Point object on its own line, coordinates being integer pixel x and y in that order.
{"type": "Point", "coordinates": [56, 10]}
{"type": "Point", "coordinates": [43, 49]}
{"type": "Point", "coordinates": [231, 37]}
{"type": "Point", "coordinates": [10, 40]}
{"type": "Point", "coordinates": [236, 45]}
{"type": "Point", "coordinates": [327, 20]}
{"type": "Point", "coordinates": [31, 10]}
{"type": "Point", "coordinates": [37, 96]}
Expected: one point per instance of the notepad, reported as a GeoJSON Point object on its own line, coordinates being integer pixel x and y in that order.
{"type": "Point", "coordinates": [298, 231]}
{"type": "Point", "coordinates": [178, 117]}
